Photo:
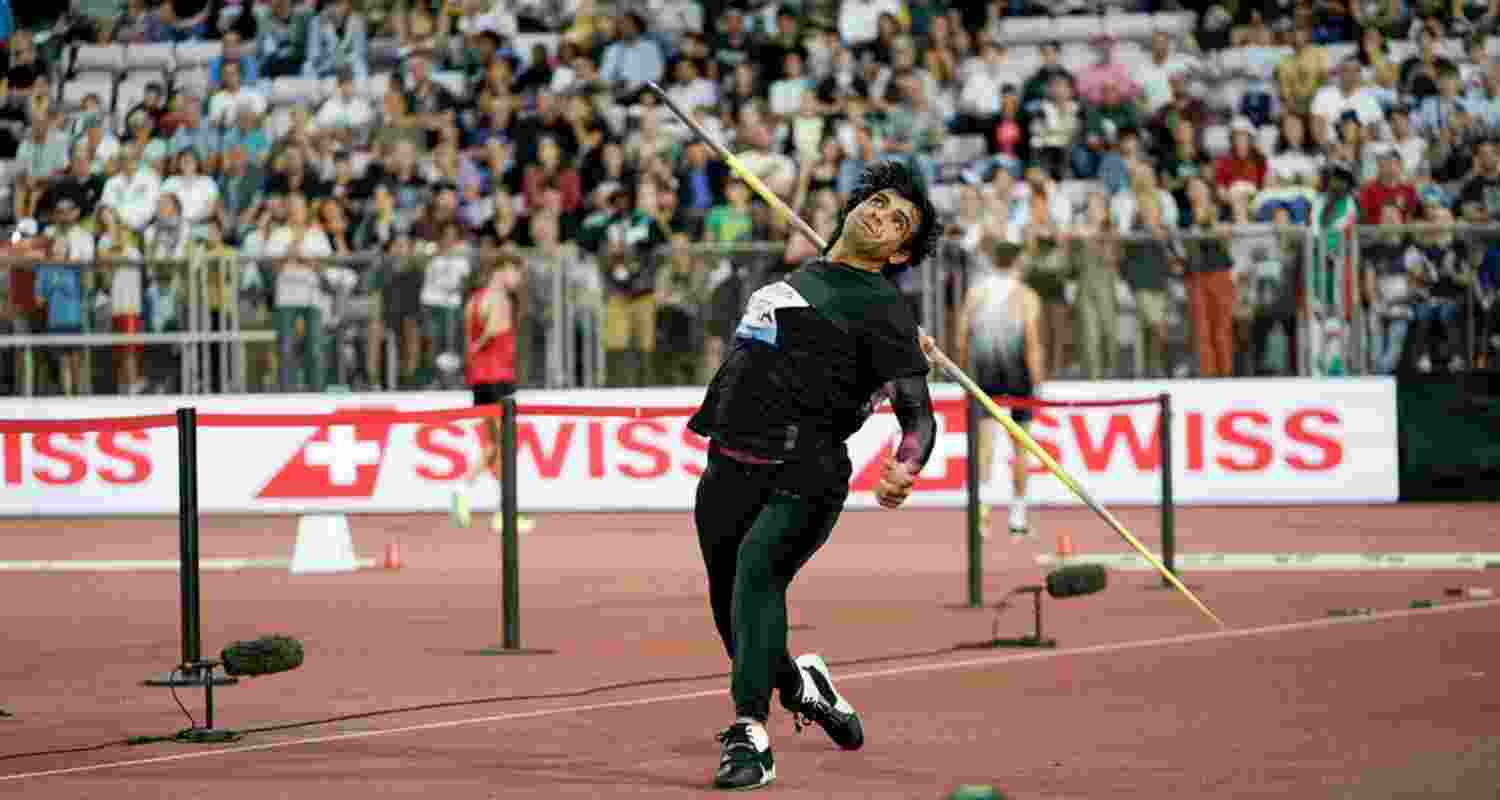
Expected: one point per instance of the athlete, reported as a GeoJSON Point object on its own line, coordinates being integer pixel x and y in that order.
{"type": "Point", "coordinates": [1000, 345]}
{"type": "Point", "coordinates": [813, 357]}
{"type": "Point", "coordinates": [490, 371]}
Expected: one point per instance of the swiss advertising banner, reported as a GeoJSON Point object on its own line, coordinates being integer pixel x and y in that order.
{"type": "Point", "coordinates": [1284, 441]}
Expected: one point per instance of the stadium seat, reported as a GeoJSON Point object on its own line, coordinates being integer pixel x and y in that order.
{"type": "Point", "coordinates": [453, 81]}
{"type": "Point", "coordinates": [1025, 29]}
{"type": "Point", "coordinates": [149, 58]}
{"type": "Point", "coordinates": [1216, 140]}
{"type": "Point", "coordinates": [192, 80]}
{"type": "Point", "coordinates": [963, 149]}
{"type": "Point", "coordinates": [374, 87]}
{"type": "Point", "coordinates": [945, 198]}
{"type": "Point", "coordinates": [1077, 29]}
{"type": "Point", "coordinates": [1130, 27]}
{"type": "Point", "coordinates": [196, 54]}
{"type": "Point", "coordinates": [1265, 139]}
{"type": "Point", "coordinates": [98, 83]}
{"type": "Point", "coordinates": [1227, 95]}
{"type": "Point", "coordinates": [1176, 23]}
{"type": "Point", "coordinates": [1077, 192]}
{"type": "Point", "coordinates": [1077, 56]}
{"type": "Point", "coordinates": [108, 58]}
{"type": "Point", "coordinates": [129, 94]}
{"type": "Point", "coordinates": [1338, 51]}
{"type": "Point", "coordinates": [297, 91]}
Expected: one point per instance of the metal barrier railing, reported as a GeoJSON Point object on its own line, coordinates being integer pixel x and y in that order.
{"type": "Point", "coordinates": [569, 323]}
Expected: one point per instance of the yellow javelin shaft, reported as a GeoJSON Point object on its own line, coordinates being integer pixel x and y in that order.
{"type": "Point", "coordinates": [1035, 449]}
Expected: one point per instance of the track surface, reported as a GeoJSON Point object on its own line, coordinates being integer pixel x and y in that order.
{"type": "Point", "coordinates": [1141, 698]}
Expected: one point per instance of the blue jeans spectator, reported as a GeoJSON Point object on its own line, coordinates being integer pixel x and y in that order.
{"type": "Point", "coordinates": [1389, 342]}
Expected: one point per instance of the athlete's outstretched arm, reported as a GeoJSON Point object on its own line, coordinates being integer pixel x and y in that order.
{"type": "Point", "coordinates": [912, 403]}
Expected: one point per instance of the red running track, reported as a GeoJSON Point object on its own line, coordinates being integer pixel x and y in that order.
{"type": "Point", "coordinates": [1143, 698]}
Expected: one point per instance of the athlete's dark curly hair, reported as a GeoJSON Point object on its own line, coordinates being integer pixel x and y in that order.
{"type": "Point", "coordinates": [900, 178]}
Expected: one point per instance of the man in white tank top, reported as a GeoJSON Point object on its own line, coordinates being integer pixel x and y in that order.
{"type": "Point", "coordinates": [1000, 344]}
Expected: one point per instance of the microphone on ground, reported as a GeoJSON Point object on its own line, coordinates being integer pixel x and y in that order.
{"type": "Point", "coordinates": [267, 655]}
{"type": "Point", "coordinates": [1076, 581]}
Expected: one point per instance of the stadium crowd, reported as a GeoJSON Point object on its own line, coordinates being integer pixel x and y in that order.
{"type": "Point", "coordinates": [1206, 163]}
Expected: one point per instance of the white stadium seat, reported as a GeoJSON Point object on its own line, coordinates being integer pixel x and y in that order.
{"type": "Point", "coordinates": [80, 87]}
{"type": "Point", "coordinates": [98, 58]}
{"type": "Point", "coordinates": [149, 57]}
{"type": "Point", "coordinates": [196, 54]}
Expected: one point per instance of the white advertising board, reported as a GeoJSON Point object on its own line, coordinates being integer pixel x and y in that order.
{"type": "Point", "coordinates": [1287, 441]}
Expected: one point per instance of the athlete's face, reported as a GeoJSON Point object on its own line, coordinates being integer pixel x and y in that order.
{"type": "Point", "coordinates": [882, 226]}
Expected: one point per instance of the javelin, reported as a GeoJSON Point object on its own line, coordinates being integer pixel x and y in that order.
{"type": "Point", "coordinates": [939, 357]}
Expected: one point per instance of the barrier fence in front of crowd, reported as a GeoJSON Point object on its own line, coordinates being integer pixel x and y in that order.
{"type": "Point", "coordinates": [1294, 301]}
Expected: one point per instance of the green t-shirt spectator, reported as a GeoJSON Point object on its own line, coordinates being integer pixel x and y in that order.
{"type": "Point", "coordinates": [729, 224]}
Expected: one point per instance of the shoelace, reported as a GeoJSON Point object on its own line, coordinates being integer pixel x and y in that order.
{"type": "Point", "coordinates": [736, 737]}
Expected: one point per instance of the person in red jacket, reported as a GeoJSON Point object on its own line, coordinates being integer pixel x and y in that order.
{"type": "Point", "coordinates": [490, 371]}
{"type": "Point", "coordinates": [1389, 189]}
{"type": "Point", "coordinates": [1244, 163]}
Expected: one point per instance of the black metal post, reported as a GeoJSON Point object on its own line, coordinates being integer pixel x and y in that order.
{"type": "Point", "coordinates": [510, 555]}
{"type": "Point", "coordinates": [187, 526]}
{"type": "Point", "coordinates": [975, 537]}
{"type": "Point", "coordinates": [1168, 505]}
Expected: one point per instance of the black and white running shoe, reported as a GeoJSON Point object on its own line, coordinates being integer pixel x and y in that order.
{"type": "Point", "coordinates": [745, 760]}
{"type": "Point", "coordinates": [822, 704]}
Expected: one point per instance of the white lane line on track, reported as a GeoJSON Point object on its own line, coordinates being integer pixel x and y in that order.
{"type": "Point", "coordinates": [156, 565]}
{"type": "Point", "coordinates": [1041, 655]}
{"type": "Point", "coordinates": [1283, 562]}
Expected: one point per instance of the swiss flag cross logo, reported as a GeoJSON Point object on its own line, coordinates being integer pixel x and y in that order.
{"type": "Point", "coordinates": [340, 460]}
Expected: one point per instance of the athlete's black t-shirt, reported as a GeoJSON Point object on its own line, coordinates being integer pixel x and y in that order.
{"type": "Point", "coordinates": [810, 356]}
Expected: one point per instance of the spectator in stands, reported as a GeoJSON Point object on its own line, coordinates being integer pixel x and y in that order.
{"type": "Point", "coordinates": [40, 158]}
{"type": "Point", "coordinates": [634, 57]}
{"type": "Point", "coordinates": [1095, 310]}
{"type": "Point", "coordinates": [787, 92]}
{"type": "Point", "coordinates": [1183, 160]}
{"type": "Point", "coordinates": [859, 21]}
{"type": "Point", "coordinates": [1390, 189]}
{"type": "Point", "coordinates": [1146, 258]}
{"type": "Point", "coordinates": [1243, 168]}
{"type": "Point", "coordinates": [1210, 282]}
{"type": "Point", "coordinates": [134, 188]}
{"type": "Point", "coordinates": [680, 297]}
{"type": "Point", "coordinates": [1441, 271]}
{"type": "Point", "coordinates": [442, 295]}
{"type": "Point", "coordinates": [1422, 73]}
{"type": "Point", "coordinates": [20, 64]}
{"type": "Point", "coordinates": [59, 289]}
{"type": "Point", "coordinates": [1103, 122]}
{"type": "Point", "coordinates": [296, 245]}
{"type": "Point", "coordinates": [344, 114]}
{"type": "Point", "coordinates": [233, 98]}
{"type": "Point", "coordinates": [1295, 159]}
{"type": "Point", "coordinates": [183, 126]}
{"type": "Point", "coordinates": [140, 25]}
{"type": "Point", "coordinates": [1038, 88]}
{"type": "Point", "coordinates": [631, 237]}
{"type": "Point", "coordinates": [1438, 110]}
{"type": "Point", "coordinates": [233, 50]}
{"type": "Point", "coordinates": [1349, 94]}
{"type": "Point", "coordinates": [1048, 259]}
{"type": "Point", "coordinates": [982, 89]}
{"type": "Point", "coordinates": [1155, 76]}
{"type": "Point", "coordinates": [336, 40]}
{"type": "Point", "coordinates": [197, 193]}
{"type": "Point", "coordinates": [1105, 76]}
{"type": "Point", "coordinates": [1387, 289]}
{"type": "Point", "coordinates": [239, 182]}
{"type": "Point", "coordinates": [1479, 200]}
{"type": "Point", "coordinates": [432, 106]}
{"type": "Point", "coordinates": [1056, 135]}
{"type": "Point", "coordinates": [281, 38]}
{"type": "Point", "coordinates": [79, 185]}
{"type": "Point", "coordinates": [1300, 75]}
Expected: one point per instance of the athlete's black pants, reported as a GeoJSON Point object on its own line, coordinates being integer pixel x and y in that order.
{"type": "Point", "coordinates": [756, 530]}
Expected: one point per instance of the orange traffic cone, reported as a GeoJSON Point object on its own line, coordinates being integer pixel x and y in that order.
{"type": "Point", "coordinates": [1064, 546]}
{"type": "Point", "coordinates": [392, 556]}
